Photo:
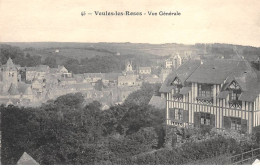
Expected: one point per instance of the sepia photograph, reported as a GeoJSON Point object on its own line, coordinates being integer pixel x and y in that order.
{"type": "Point", "coordinates": [140, 82]}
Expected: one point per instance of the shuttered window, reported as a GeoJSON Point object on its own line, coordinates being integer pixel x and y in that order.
{"type": "Point", "coordinates": [171, 113]}
{"type": "Point", "coordinates": [185, 116]}
{"type": "Point", "coordinates": [236, 124]}
{"type": "Point", "coordinates": [201, 118]}
{"type": "Point", "coordinates": [179, 114]}
{"type": "Point", "coordinates": [205, 118]}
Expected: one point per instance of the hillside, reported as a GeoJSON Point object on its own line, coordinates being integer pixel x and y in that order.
{"type": "Point", "coordinates": [87, 57]}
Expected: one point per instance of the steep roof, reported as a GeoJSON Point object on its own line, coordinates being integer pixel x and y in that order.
{"type": "Point", "coordinates": [224, 71]}
{"type": "Point", "coordinates": [158, 102]}
{"type": "Point", "coordinates": [13, 90]}
{"type": "Point", "coordinates": [186, 69]}
{"type": "Point", "coordinates": [9, 64]}
{"type": "Point", "coordinates": [185, 90]}
{"type": "Point", "coordinates": [28, 91]}
{"type": "Point", "coordinates": [26, 159]}
{"type": "Point", "coordinates": [223, 94]}
{"type": "Point", "coordinates": [183, 73]}
{"type": "Point", "coordinates": [218, 70]}
{"type": "Point", "coordinates": [61, 67]}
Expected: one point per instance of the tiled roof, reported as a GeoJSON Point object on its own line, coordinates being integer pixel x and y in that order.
{"type": "Point", "coordinates": [186, 69]}
{"type": "Point", "coordinates": [183, 72]}
{"type": "Point", "coordinates": [216, 71]}
{"type": "Point", "coordinates": [223, 94]}
{"type": "Point", "coordinates": [247, 96]}
{"type": "Point", "coordinates": [166, 87]}
{"type": "Point", "coordinates": [10, 63]}
{"type": "Point", "coordinates": [185, 90]}
{"type": "Point", "coordinates": [13, 90]}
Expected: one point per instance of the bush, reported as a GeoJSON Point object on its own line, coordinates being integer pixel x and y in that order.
{"type": "Point", "coordinates": [192, 151]}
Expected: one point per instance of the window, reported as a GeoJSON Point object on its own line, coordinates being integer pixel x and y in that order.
{"type": "Point", "coordinates": [205, 119]}
{"type": "Point", "coordinates": [205, 90]}
{"type": "Point", "coordinates": [176, 82]}
{"type": "Point", "coordinates": [178, 114]}
{"type": "Point", "coordinates": [234, 93]}
{"type": "Point", "coordinates": [177, 90]}
{"type": "Point", "coordinates": [236, 124]}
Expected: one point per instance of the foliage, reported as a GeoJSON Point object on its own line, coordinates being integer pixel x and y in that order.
{"type": "Point", "coordinates": [64, 132]}
{"type": "Point", "coordinates": [18, 56]}
{"type": "Point", "coordinates": [143, 140]}
{"type": "Point", "coordinates": [191, 152]}
{"type": "Point", "coordinates": [143, 95]}
{"type": "Point", "coordinates": [50, 61]}
{"type": "Point", "coordinates": [71, 100]}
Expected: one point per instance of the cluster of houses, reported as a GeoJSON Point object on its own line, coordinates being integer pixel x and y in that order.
{"type": "Point", "coordinates": [32, 86]}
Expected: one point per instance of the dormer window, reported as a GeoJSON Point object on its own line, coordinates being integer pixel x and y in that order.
{"type": "Point", "coordinates": [234, 94]}
{"type": "Point", "coordinates": [177, 83]}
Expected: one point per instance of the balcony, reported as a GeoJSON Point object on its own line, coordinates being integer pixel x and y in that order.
{"type": "Point", "coordinates": [177, 96]}
{"type": "Point", "coordinates": [235, 103]}
{"type": "Point", "coordinates": [205, 100]}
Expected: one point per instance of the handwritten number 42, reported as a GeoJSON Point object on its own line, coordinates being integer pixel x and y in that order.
{"type": "Point", "coordinates": [83, 13]}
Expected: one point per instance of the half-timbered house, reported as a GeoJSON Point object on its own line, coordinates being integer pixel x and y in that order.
{"type": "Point", "coordinates": [224, 94]}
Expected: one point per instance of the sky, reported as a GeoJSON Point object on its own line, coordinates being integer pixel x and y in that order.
{"type": "Point", "coordinates": [201, 21]}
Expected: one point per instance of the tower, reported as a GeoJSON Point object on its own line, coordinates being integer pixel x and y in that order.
{"type": "Point", "coordinates": [9, 72]}
{"type": "Point", "coordinates": [177, 60]}
{"type": "Point", "coordinates": [129, 67]}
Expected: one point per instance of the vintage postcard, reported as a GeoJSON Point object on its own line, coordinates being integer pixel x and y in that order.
{"type": "Point", "coordinates": [140, 82]}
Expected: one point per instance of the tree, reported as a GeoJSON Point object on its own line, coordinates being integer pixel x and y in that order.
{"type": "Point", "coordinates": [144, 95]}
{"type": "Point", "coordinates": [50, 61]}
{"type": "Point", "coordinates": [74, 100]}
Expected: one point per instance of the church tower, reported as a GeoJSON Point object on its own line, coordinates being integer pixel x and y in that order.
{"type": "Point", "coordinates": [9, 72]}
{"type": "Point", "coordinates": [129, 67]}
{"type": "Point", "coordinates": [177, 60]}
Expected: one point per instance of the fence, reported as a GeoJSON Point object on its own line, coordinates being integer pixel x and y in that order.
{"type": "Point", "coordinates": [245, 157]}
